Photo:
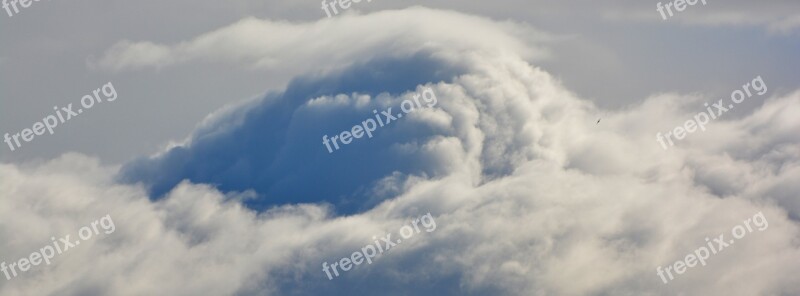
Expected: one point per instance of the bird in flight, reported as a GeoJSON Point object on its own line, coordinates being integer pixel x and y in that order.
{"type": "Point", "coordinates": [598, 121]}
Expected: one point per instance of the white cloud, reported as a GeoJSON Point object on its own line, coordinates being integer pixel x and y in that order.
{"type": "Point", "coordinates": [533, 196]}
{"type": "Point", "coordinates": [329, 43]}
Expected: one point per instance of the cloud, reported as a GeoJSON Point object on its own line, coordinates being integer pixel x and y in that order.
{"type": "Point", "coordinates": [328, 43]}
{"type": "Point", "coordinates": [274, 146]}
{"type": "Point", "coordinates": [787, 25]}
{"type": "Point", "coordinates": [530, 196]}
{"type": "Point", "coordinates": [775, 16]}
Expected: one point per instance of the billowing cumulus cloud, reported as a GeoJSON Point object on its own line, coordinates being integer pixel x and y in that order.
{"type": "Point", "coordinates": [530, 195]}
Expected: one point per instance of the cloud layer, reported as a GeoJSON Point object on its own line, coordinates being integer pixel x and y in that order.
{"type": "Point", "coordinates": [529, 194]}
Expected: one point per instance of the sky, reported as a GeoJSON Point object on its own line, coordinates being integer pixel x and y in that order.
{"type": "Point", "coordinates": [553, 148]}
